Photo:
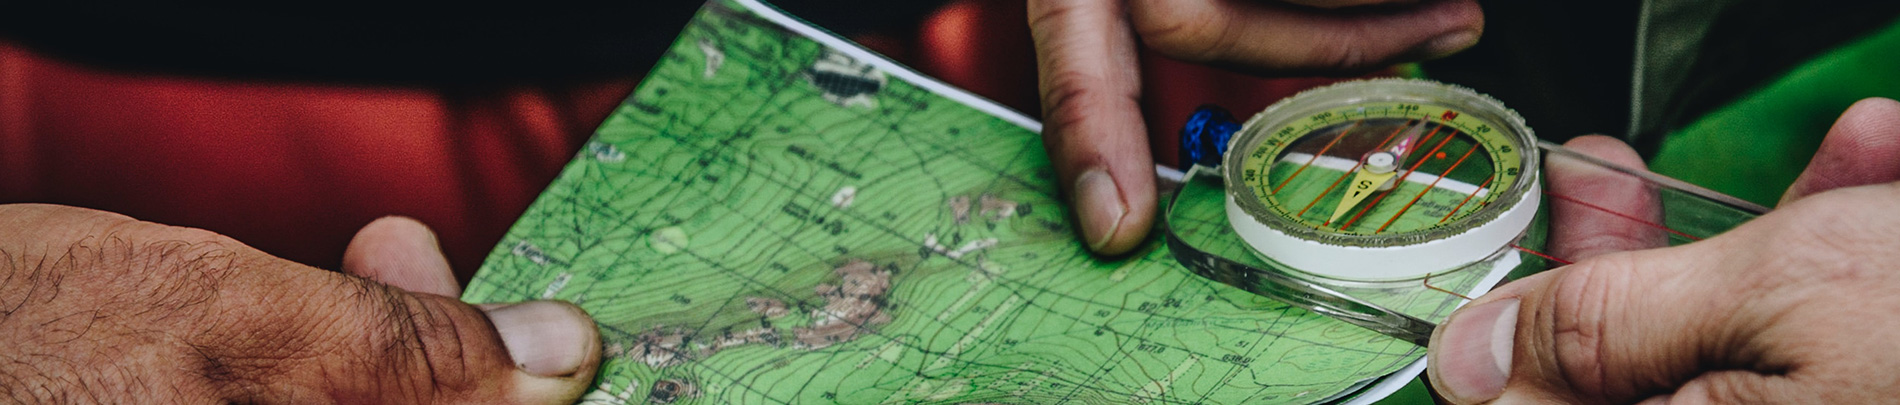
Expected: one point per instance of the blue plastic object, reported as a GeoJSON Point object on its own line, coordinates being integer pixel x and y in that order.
{"type": "Point", "coordinates": [1204, 137]}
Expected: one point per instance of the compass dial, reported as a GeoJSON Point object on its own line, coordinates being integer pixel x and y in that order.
{"type": "Point", "coordinates": [1382, 164]}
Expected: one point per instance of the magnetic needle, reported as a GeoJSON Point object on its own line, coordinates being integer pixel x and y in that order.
{"type": "Point", "coordinates": [1381, 180]}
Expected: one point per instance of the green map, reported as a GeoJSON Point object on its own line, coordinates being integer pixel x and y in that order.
{"type": "Point", "coordinates": [769, 219]}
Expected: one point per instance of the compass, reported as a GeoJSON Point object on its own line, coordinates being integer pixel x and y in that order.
{"type": "Point", "coordinates": [1382, 180]}
{"type": "Point", "coordinates": [1388, 203]}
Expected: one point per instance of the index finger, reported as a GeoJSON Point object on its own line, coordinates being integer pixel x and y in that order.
{"type": "Point", "coordinates": [1085, 56]}
{"type": "Point", "coordinates": [1862, 148]}
{"type": "Point", "coordinates": [1322, 36]}
{"type": "Point", "coordinates": [1595, 210]}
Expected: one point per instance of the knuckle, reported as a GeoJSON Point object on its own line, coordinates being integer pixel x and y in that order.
{"type": "Point", "coordinates": [359, 339]}
{"type": "Point", "coordinates": [1064, 110]}
{"type": "Point", "coordinates": [1064, 97]}
{"type": "Point", "coordinates": [438, 338]}
{"type": "Point", "coordinates": [350, 339]}
{"type": "Point", "coordinates": [1583, 304]}
{"type": "Point", "coordinates": [1072, 91]}
{"type": "Point", "coordinates": [1194, 41]}
{"type": "Point", "coordinates": [416, 344]}
{"type": "Point", "coordinates": [1046, 15]}
{"type": "Point", "coordinates": [1184, 32]}
{"type": "Point", "coordinates": [1344, 50]}
{"type": "Point", "coordinates": [1070, 103]}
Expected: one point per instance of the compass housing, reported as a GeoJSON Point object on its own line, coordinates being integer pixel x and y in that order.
{"type": "Point", "coordinates": [1272, 229]}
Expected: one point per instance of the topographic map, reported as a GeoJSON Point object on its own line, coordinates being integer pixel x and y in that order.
{"type": "Point", "coordinates": [775, 216]}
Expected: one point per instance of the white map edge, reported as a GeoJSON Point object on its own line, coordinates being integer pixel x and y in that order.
{"type": "Point", "coordinates": [1385, 387]}
{"type": "Point", "coordinates": [959, 95]}
{"type": "Point", "coordinates": [891, 67]}
{"type": "Point", "coordinates": [1391, 383]}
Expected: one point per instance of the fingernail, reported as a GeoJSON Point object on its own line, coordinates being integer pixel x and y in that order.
{"type": "Point", "coordinates": [1448, 44]}
{"type": "Point", "coordinates": [545, 338]}
{"type": "Point", "coordinates": [1100, 207]}
{"type": "Point", "coordinates": [433, 241]}
{"type": "Point", "coordinates": [1471, 357]}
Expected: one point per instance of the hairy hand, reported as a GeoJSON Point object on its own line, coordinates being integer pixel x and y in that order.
{"type": "Point", "coordinates": [1085, 55]}
{"type": "Point", "coordinates": [98, 307]}
{"type": "Point", "coordinates": [1799, 306]}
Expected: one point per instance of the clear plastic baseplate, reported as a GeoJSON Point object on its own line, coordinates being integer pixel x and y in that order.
{"type": "Point", "coordinates": [1664, 210]}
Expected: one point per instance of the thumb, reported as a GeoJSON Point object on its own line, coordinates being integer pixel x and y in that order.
{"type": "Point", "coordinates": [1599, 331]}
{"type": "Point", "coordinates": [544, 338]}
{"type": "Point", "coordinates": [348, 339]}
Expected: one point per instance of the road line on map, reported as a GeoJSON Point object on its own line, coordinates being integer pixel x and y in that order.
{"type": "Point", "coordinates": [1154, 390]}
{"type": "Point", "coordinates": [955, 349]}
{"type": "Point", "coordinates": [977, 283]}
{"type": "Point", "coordinates": [888, 352]}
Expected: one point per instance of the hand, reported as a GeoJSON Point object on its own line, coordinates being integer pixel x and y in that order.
{"type": "Point", "coordinates": [99, 307]}
{"type": "Point", "coordinates": [1085, 51]}
{"type": "Point", "coordinates": [1798, 306]}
